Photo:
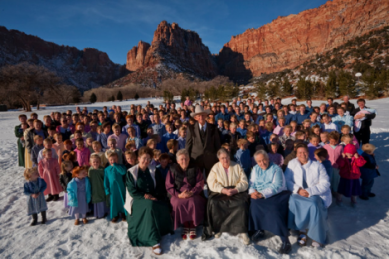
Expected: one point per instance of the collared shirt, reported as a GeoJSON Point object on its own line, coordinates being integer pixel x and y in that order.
{"type": "Point", "coordinates": [203, 127]}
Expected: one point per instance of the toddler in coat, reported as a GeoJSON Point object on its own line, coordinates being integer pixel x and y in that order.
{"type": "Point", "coordinates": [65, 178]}
{"type": "Point", "coordinates": [79, 194]}
{"type": "Point", "coordinates": [34, 188]}
{"type": "Point", "coordinates": [369, 171]}
{"type": "Point", "coordinates": [349, 172]}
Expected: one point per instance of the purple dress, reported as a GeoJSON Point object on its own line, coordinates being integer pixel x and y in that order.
{"type": "Point", "coordinates": [81, 198]}
{"type": "Point", "coordinates": [191, 209]}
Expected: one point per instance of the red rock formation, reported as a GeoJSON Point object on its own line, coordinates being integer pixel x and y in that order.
{"type": "Point", "coordinates": [85, 68]}
{"type": "Point", "coordinates": [175, 48]}
{"type": "Point", "coordinates": [289, 41]}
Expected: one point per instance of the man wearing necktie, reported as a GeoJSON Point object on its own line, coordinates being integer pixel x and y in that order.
{"type": "Point", "coordinates": [202, 141]}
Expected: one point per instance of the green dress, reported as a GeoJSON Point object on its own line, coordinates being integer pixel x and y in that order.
{"type": "Point", "coordinates": [96, 178]}
{"type": "Point", "coordinates": [114, 187]}
{"type": "Point", "coordinates": [21, 150]}
{"type": "Point", "coordinates": [150, 220]}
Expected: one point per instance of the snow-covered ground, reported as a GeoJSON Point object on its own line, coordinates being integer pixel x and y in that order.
{"type": "Point", "coordinates": [361, 232]}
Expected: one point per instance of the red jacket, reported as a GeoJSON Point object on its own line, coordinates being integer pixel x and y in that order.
{"type": "Point", "coordinates": [351, 170]}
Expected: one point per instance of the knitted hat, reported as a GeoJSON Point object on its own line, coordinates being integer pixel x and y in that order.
{"type": "Point", "coordinates": [350, 149]}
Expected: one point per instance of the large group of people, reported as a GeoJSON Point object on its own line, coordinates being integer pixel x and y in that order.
{"type": "Point", "coordinates": [242, 167]}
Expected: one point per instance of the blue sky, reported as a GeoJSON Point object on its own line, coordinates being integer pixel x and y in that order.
{"type": "Point", "coordinates": [116, 26]}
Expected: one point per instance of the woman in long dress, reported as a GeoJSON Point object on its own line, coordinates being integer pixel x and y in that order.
{"type": "Point", "coordinates": [147, 205]}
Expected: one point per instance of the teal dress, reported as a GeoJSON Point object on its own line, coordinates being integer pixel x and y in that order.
{"type": "Point", "coordinates": [150, 220]}
{"type": "Point", "coordinates": [114, 187]}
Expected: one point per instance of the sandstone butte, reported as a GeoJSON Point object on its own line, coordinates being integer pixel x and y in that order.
{"type": "Point", "coordinates": [176, 48]}
{"type": "Point", "coordinates": [290, 41]}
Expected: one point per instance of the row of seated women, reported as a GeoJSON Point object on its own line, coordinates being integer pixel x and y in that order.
{"type": "Point", "coordinates": [271, 201]}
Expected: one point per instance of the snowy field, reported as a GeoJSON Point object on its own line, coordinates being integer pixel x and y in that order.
{"type": "Point", "coordinates": [361, 232]}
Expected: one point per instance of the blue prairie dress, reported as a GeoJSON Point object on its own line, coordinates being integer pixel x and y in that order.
{"type": "Point", "coordinates": [35, 205]}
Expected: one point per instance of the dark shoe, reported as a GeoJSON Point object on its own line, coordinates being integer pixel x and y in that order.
{"type": "Point", "coordinates": [56, 197]}
{"type": "Point", "coordinates": [50, 198]}
{"type": "Point", "coordinates": [34, 219]}
{"type": "Point", "coordinates": [115, 220]}
{"type": "Point", "coordinates": [124, 217]}
{"type": "Point", "coordinates": [258, 235]}
{"type": "Point", "coordinates": [363, 198]}
{"type": "Point", "coordinates": [205, 237]}
{"type": "Point", "coordinates": [371, 195]}
{"type": "Point", "coordinates": [44, 219]}
{"type": "Point", "coordinates": [285, 248]}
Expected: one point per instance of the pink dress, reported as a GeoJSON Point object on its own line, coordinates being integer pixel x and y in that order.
{"type": "Point", "coordinates": [334, 154]}
{"type": "Point", "coordinates": [83, 156]}
{"type": "Point", "coordinates": [120, 141]}
{"type": "Point", "coordinates": [49, 171]}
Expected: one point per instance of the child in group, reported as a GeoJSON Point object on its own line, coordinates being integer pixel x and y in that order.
{"type": "Point", "coordinates": [269, 131]}
{"type": "Point", "coordinates": [48, 145]}
{"type": "Point", "coordinates": [149, 133]}
{"type": "Point", "coordinates": [130, 159]}
{"type": "Point", "coordinates": [242, 156]}
{"type": "Point", "coordinates": [151, 144]}
{"type": "Point", "coordinates": [279, 130]}
{"type": "Point", "coordinates": [289, 146]}
{"type": "Point", "coordinates": [79, 194]}
{"type": "Point", "coordinates": [163, 166]}
{"type": "Point", "coordinates": [346, 139]}
{"type": "Point", "coordinates": [327, 124]}
{"type": "Point", "coordinates": [316, 130]}
{"type": "Point", "coordinates": [65, 178]}
{"type": "Point", "coordinates": [369, 171]}
{"type": "Point", "coordinates": [262, 127]}
{"type": "Point", "coordinates": [103, 137]}
{"type": "Point", "coordinates": [324, 138]}
{"type": "Point", "coordinates": [93, 130]}
{"type": "Point", "coordinates": [275, 157]}
{"type": "Point", "coordinates": [346, 130]}
{"type": "Point", "coordinates": [119, 137]}
{"type": "Point", "coordinates": [172, 146]}
{"type": "Point", "coordinates": [114, 187]}
{"type": "Point", "coordinates": [77, 135]}
{"type": "Point", "coordinates": [131, 146]}
{"type": "Point", "coordinates": [294, 125]}
{"type": "Point", "coordinates": [34, 188]}
{"type": "Point", "coordinates": [49, 170]}
{"type": "Point", "coordinates": [132, 137]}
{"type": "Point", "coordinates": [226, 146]}
{"type": "Point", "coordinates": [314, 119]}
{"type": "Point", "coordinates": [250, 136]}
{"type": "Point", "coordinates": [349, 172]}
{"type": "Point", "coordinates": [96, 145]}
{"type": "Point", "coordinates": [68, 145]}
{"type": "Point", "coordinates": [83, 153]}
{"type": "Point", "coordinates": [306, 124]}
{"type": "Point", "coordinates": [59, 146]}
{"type": "Point", "coordinates": [72, 157]}
{"type": "Point", "coordinates": [96, 178]}
{"type": "Point", "coordinates": [112, 148]}
{"type": "Point", "coordinates": [167, 136]}
{"type": "Point", "coordinates": [38, 140]}
{"type": "Point", "coordinates": [88, 143]}
{"type": "Point", "coordinates": [157, 154]}
{"type": "Point", "coordinates": [241, 128]}
{"type": "Point", "coordinates": [321, 156]}
{"type": "Point", "coordinates": [51, 131]}
{"type": "Point", "coordinates": [313, 145]}
{"type": "Point", "coordinates": [287, 135]}
{"type": "Point", "coordinates": [334, 154]}
{"type": "Point", "coordinates": [182, 137]}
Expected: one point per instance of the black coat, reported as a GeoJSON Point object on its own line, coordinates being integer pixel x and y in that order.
{"type": "Point", "coordinates": [366, 123]}
{"type": "Point", "coordinates": [350, 107]}
{"type": "Point", "coordinates": [203, 153]}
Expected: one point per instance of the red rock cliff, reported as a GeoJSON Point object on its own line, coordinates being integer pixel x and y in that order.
{"type": "Point", "coordinates": [289, 41]}
{"type": "Point", "coordinates": [178, 49]}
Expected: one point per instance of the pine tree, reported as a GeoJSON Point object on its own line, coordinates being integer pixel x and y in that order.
{"type": "Point", "coordinates": [136, 97]}
{"type": "Point", "coordinates": [331, 87]}
{"type": "Point", "coordinates": [119, 96]}
{"type": "Point", "coordinates": [112, 98]}
{"type": "Point", "coordinates": [369, 84]}
{"type": "Point", "coordinates": [273, 89]}
{"type": "Point", "coordinates": [93, 98]}
{"type": "Point", "coordinates": [167, 96]}
{"type": "Point", "coordinates": [304, 89]}
{"type": "Point", "coordinates": [287, 87]}
{"type": "Point", "coordinates": [261, 91]}
{"type": "Point", "coordinates": [346, 84]}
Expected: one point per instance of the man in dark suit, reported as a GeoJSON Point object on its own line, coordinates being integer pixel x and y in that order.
{"type": "Point", "coordinates": [202, 141]}
{"type": "Point", "coordinates": [350, 107]}
{"type": "Point", "coordinates": [363, 135]}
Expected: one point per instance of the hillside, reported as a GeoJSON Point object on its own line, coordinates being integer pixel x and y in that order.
{"type": "Point", "coordinates": [85, 69]}
{"type": "Point", "coordinates": [289, 41]}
